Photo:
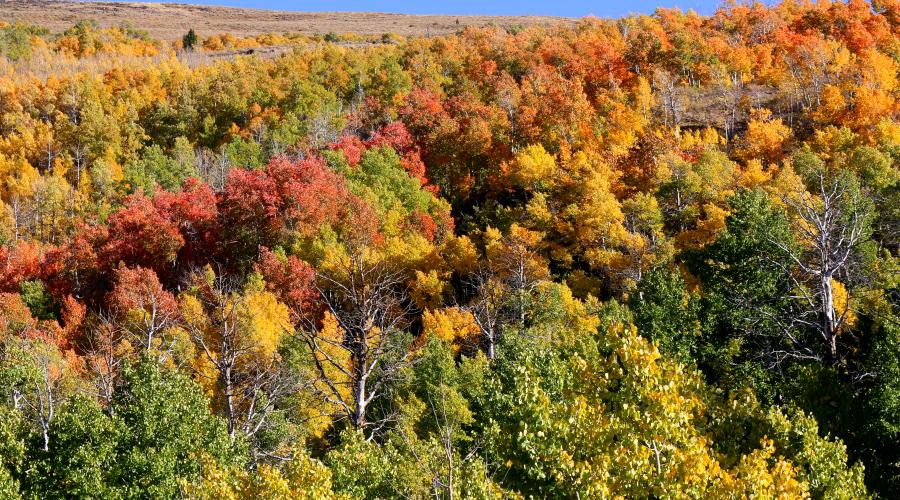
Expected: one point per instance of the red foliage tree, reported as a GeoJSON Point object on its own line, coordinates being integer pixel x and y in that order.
{"type": "Point", "coordinates": [73, 314]}
{"type": "Point", "coordinates": [193, 210]}
{"type": "Point", "coordinates": [310, 193]}
{"type": "Point", "coordinates": [249, 209]}
{"type": "Point", "coordinates": [18, 263]}
{"type": "Point", "coordinates": [73, 268]}
{"type": "Point", "coordinates": [141, 305]}
{"type": "Point", "coordinates": [292, 280]}
{"type": "Point", "coordinates": [352, 147]}
{"type": "Point", "coordinates": [141, 235]}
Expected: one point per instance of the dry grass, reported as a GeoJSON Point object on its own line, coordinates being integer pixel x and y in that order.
{"type": "Point", "coordinates": [170, 21]}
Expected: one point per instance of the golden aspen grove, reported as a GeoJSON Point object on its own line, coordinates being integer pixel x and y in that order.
{"type": "Point", "coordinates": [648, 257]}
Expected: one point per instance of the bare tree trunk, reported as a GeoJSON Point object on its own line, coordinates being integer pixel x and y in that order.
{"type": "Point", "coordinates": [361, 403]}
{"type": "Point", "coordinates": [829, 318]}
{"type": "Point", "coordinates": [229, 401]}
{"type": "Point", "coordinates": [832, 221]}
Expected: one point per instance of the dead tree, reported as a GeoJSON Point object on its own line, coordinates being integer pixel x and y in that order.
{"type": "Point", "coordinates": [368, 300]}
{"type": "Point", "coordinates": [104, 358]}
{"type": "Point", "coordinates": [489, 307]}
{"type": "Point", "coordinates": [832, 221]}
{"type": "Point", "coordinates": [730, 90]}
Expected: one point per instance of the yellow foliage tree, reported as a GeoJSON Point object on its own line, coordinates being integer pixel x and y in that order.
{"type": "Point", "coordinates": [533, 168]}
{"type": "Point", "coordinates": [237, 334]}
{"type": "Point", "coordinates": [766, 137]}
{"type": "Point", "coordinates": [452, 325]}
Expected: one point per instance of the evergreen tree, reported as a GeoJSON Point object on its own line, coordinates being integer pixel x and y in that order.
{"type": "Point", "coordinates": [189, 40]}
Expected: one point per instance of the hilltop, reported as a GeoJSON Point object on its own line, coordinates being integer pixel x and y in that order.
{"type": "Point", "coordinates": [170, 20]}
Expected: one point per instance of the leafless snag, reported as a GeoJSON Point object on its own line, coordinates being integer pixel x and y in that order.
{"type": "Point", "coordinates": [104, 358]}
{"type": "Point", "coordinates": [832, 222]}
{"type": "Point", "coordinates": [369, 301]}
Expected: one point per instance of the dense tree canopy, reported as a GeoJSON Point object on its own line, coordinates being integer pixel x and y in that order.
{"type": "Point", "coordinates": [644, 257]}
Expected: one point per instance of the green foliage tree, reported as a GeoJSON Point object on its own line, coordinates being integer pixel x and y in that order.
{"type": "Point", "coordinates": [155, 168]}
{"type": "Point", "coordinates": [15, 40]}
{"type": "Point", "coordinates": [38, 300]}
{"type": "Point", "coordinates": [666, 313]}
{"type": "Point", "coordinates": [13, 451]}
{"type": "Point", "coordinates": [189, 40]}
{"type": "Point", "coordinates": [381, 179]}
{"type": "Point", "coordinates": [879, 428]}
{"type": "Point", "coordinates": [745, 310]}
{"type": "Point", "coordinates": [170, 430]}
{"type": "Point", "coordinates": [629, 422]}
{"type": "Point", "coordinates": [244, 153]}
{"type": "Point", "coordinates": [82, 459]}
{"type": "Point", "coordinates": [156, 433]}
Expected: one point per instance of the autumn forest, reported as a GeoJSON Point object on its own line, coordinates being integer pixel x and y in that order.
{"type": "Point", "coordinates": [647, 257]}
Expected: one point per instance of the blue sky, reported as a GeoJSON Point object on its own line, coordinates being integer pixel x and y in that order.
{"type": "Point", "coordinates": [601, 8]}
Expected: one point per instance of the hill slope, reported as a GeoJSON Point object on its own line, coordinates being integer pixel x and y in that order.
{"type": "Point", "coordinates": [171, 20]}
